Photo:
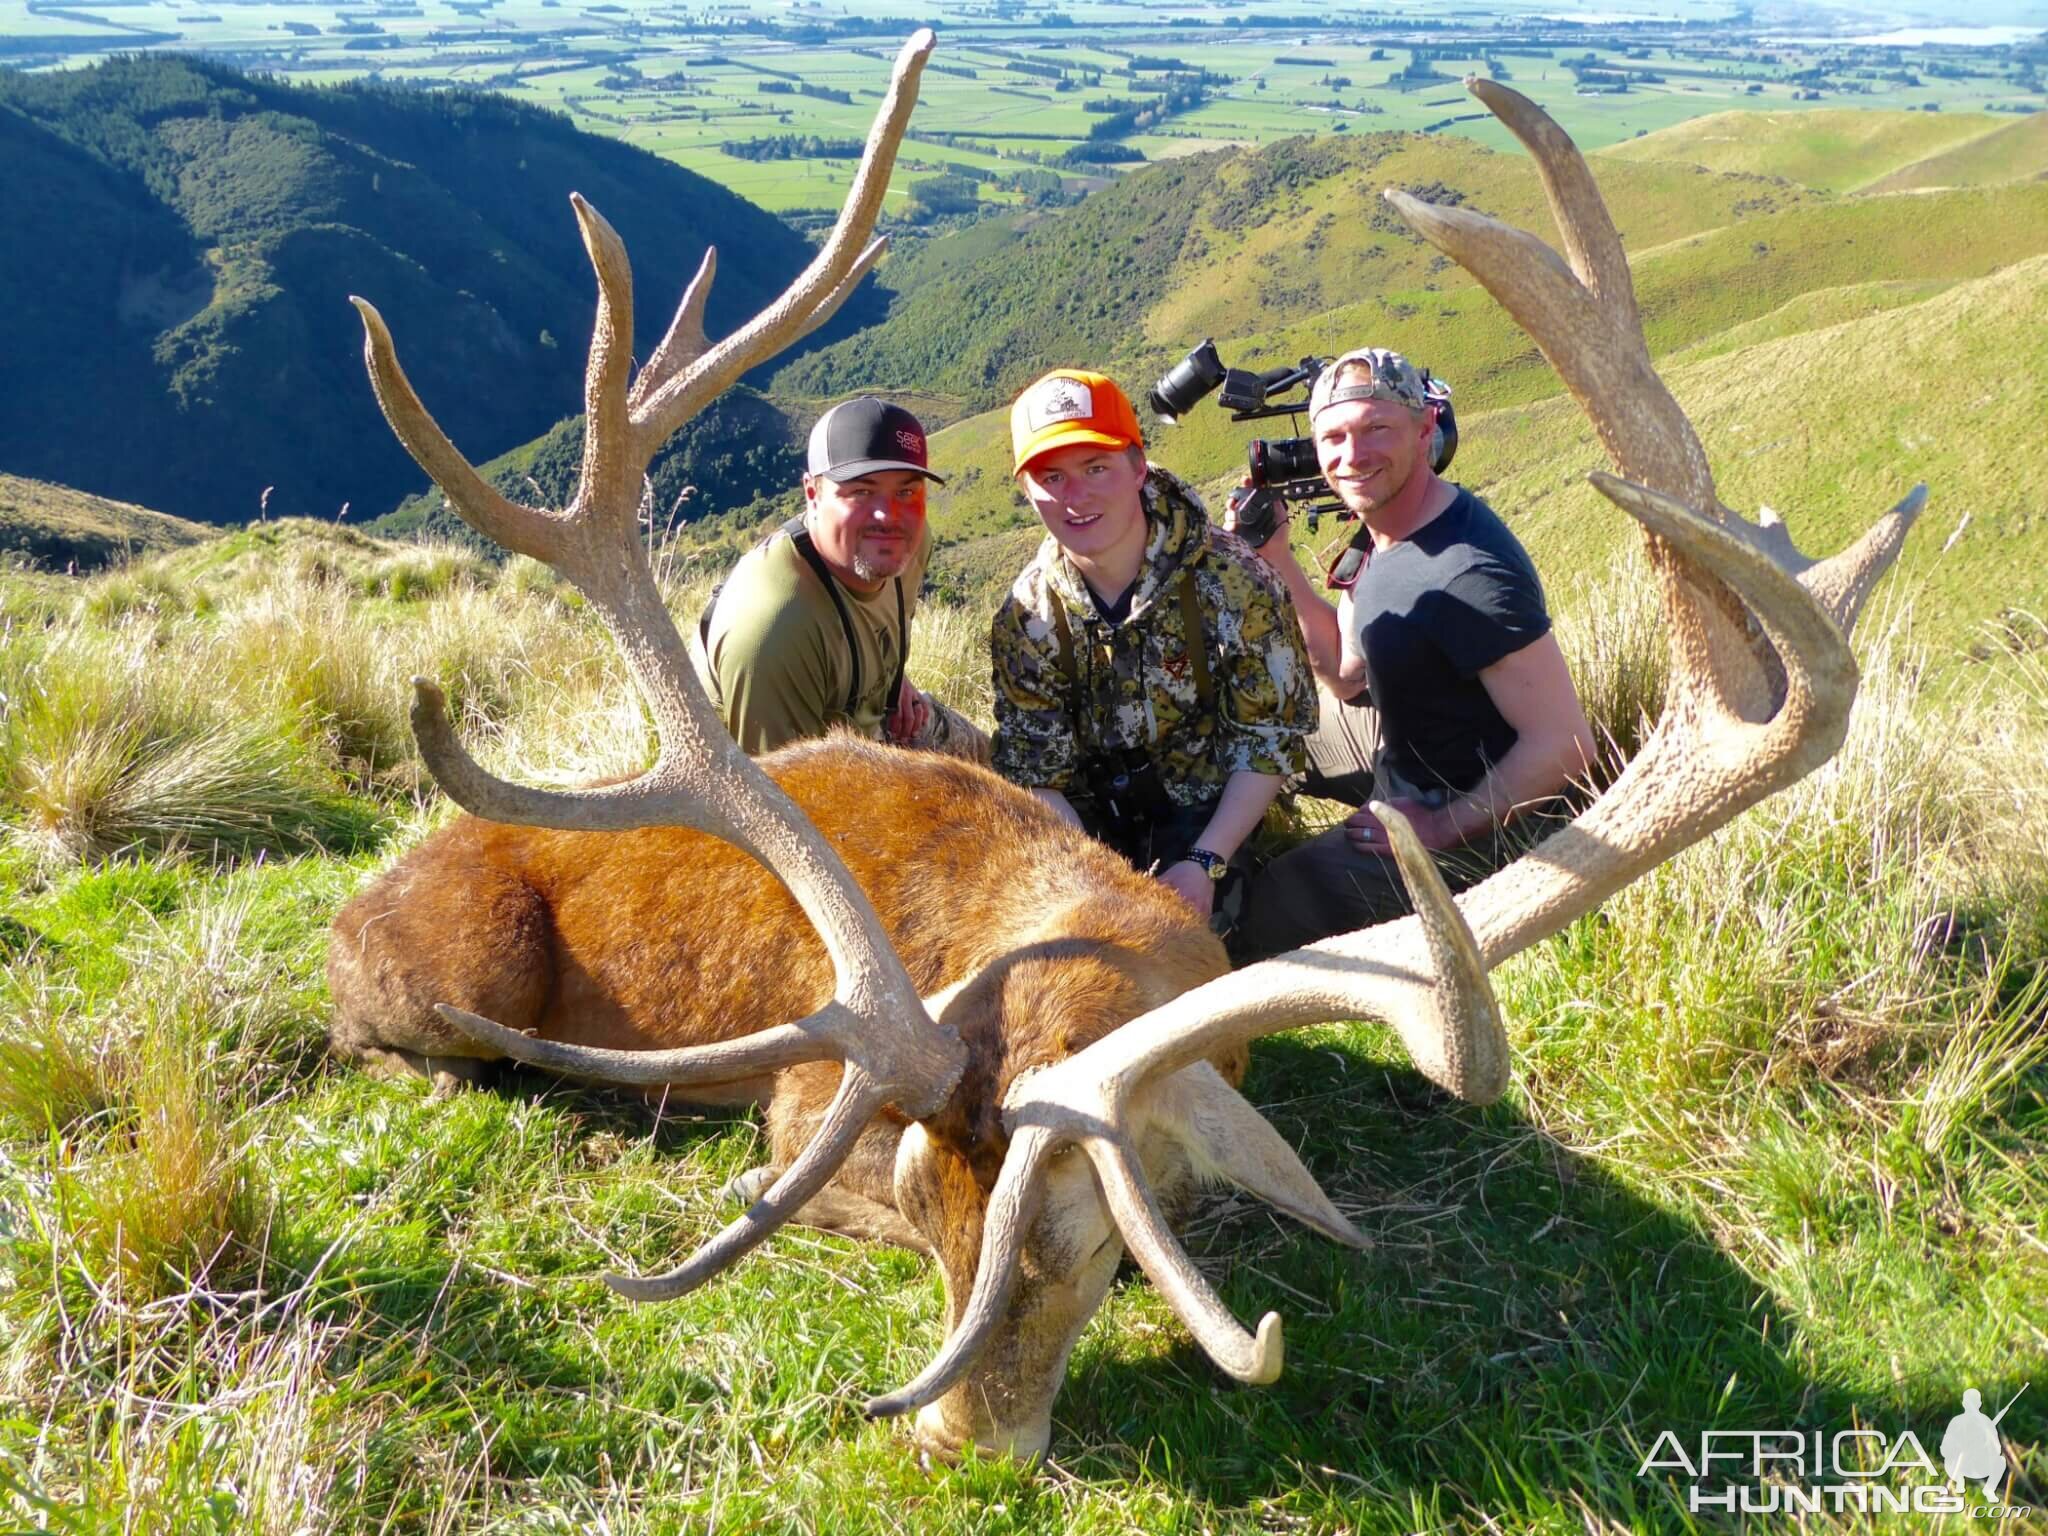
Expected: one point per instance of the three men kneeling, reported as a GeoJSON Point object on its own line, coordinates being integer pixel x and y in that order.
{"type": "Point", "coordinates": [1159, 681]}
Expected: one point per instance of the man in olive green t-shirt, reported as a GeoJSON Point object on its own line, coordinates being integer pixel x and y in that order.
{"type": "Point", "coordinates": [812, 627]}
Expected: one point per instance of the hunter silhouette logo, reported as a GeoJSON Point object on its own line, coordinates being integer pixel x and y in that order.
{"type": "Point", "coordinates": [1970, 1449]}
{"type": "Point", "coordinates": [1060, 400]}
{"type": "Point", "coordinates": [1801, 1471]}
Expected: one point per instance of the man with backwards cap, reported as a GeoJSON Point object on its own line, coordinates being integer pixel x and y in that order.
{"type": "Point", "coordinates": [1150, 684]}
{"type": "Point", "coordinates": [1445, 692]}
{"type": "Point", "coordinates": [812, 627]}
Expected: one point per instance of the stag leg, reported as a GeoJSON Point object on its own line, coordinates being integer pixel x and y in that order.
{"type": "Point", "coordinates": [483, 943]}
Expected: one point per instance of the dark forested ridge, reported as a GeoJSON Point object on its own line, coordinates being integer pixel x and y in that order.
{"type": "Point", "coordinates": [183, 239]}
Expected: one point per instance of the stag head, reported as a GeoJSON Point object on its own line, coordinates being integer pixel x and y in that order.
{"type": "Point", "coordinates": [1027, 1232]}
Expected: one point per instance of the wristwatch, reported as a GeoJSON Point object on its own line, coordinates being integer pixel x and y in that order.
{"type": "Point", "coordinates": [1215, 866]}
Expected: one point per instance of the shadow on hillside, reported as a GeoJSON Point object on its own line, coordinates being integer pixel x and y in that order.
{"type": "Point", "coordinates": [1519, 1334]}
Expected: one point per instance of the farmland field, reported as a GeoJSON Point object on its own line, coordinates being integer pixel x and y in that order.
{"type": "Point", "coordinates": [683, 81]}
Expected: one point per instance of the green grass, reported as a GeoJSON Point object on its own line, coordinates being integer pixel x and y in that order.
{"type": "Point", "coordinates": [1771, 1157]}
{"type": "Point", "coordinates": [1835, 149]}
{"type": "Point", "coordinates": [57, 528]}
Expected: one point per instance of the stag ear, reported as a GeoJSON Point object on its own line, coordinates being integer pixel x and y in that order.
{"type": "Point", "coordinates": [1228, 1140]}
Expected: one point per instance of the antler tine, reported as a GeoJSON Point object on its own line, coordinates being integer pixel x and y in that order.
{"type": "Point", "coordinates": [685, 341]}
{"type": "Point", "coordinates": [857, 1102]}
{"type": "Point", "coordinates": [1842, 583]}
{"type": "Point", "coordinates": [1012, 1207]}
{"type": "Point", "coordinates": [1590, 239]}
{"type": "Point", "coordinates": [844, 257]}
{"type": "Point", "coordinates": [816, 1038]}
{"type": "Point", "coordinates": [522, 529]}
{"type": "Point", "coordinates": [608, 490]}
{"type": "Point", "coordinates": [1253, 1360]}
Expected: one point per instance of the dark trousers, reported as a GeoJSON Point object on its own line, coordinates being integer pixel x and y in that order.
{"type": "Point", "coordinates": [1326, 886]}
{"type": "Point", "coordinates": [1164, 837]}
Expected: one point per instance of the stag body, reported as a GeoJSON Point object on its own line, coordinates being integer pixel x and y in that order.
{"type": "Point", "coordinates": [1038, 939]}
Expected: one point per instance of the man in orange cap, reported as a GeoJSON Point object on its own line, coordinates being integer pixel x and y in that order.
{"type": "Point", "coordinates": [1151, 683]}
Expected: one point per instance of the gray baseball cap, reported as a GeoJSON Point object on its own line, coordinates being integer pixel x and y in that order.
{"type": "Point", "coordinates": [1392, 377]}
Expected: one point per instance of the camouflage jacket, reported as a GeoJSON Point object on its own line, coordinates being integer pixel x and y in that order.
{"type": "Point", "coordinates": [1138, 688]}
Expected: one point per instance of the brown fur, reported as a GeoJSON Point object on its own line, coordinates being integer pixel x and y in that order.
{"type": "Point", "coordinates": [666, 937]}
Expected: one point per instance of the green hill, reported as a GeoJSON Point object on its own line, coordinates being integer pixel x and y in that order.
{"type": "Point", "coordinates": [1781, 274]}
{"type": "Point", "coordinates": [1221, 244]}
{"type": "Point", "coordinates": [1829, 425]}
{"type": "Point", "coordinates": [1832, 149]}
{"type": "Point", "coordinates": [55, 527]}
{"type": "Point", "coordinates": [2017, 150]}
{"type": "Point", "coordinates": [179, 331]}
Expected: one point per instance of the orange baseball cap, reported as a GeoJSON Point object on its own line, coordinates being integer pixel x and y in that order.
{"type": "Point", "coordinates": [1067, 406]}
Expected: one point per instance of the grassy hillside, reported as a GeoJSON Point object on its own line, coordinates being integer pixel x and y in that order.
{"type": "Point", "coordinates": [1771, 1155]}
{"type": "Point", "coordinates": [1831, 426]}
{"type": "Point", "coordinates": [1797, 277]}
{"type": "Point", "coordinates": [180, 332]}
{"type": "Point", "coordinates": [1221, 244]}
{"type": "Point", "coordinates": [1833, 149]}
{"type": "Point", "coordinates": [2018, 149]}
{"type": "Point", "coordinates": [55, 527]}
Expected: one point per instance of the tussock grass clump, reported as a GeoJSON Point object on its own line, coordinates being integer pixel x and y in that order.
{"type": "Point", "coordinates": [170, 1195]}
{"type": "Point", "coordinates": [1611, 631]}
{"type": "Point", "coordinates": [55, 1071]}
{"type": "Point", "coordinates": [428, 570]}
{"type": "Point", "coordinates": [113, 746]}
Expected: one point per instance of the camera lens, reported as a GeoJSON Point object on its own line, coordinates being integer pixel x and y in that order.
{"type": "Point", "coordinates": [1183, 385]}
{"type": "Point", "coordinates": [1282, 460]}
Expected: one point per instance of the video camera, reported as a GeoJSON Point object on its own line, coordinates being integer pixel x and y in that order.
{"type": "Point", "coordinates": [1283, 471]}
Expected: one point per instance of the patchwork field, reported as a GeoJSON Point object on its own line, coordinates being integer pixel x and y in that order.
{"type": "Point", "coordinates": [681, 82]}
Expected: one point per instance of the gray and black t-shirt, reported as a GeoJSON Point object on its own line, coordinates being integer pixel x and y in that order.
{"type": "Point", "coordinates": [1429, 614]}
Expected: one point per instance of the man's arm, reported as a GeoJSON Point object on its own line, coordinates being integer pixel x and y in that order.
{"type": "Point", "coordinates": [774, 674]}
{"type": "Point", "coordinates": [1341, 674]}
{"type": "Point", "coordinates": [1532, 689]}
{"type": "Point", "coordinates": [1242, 804]}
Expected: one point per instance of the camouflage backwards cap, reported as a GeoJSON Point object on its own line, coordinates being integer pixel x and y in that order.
{"type": "Point", "coordinates": [1389, 376]}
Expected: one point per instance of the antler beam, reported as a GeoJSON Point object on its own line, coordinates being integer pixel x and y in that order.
{"type": "Point", "coordinates": [895, 1052]}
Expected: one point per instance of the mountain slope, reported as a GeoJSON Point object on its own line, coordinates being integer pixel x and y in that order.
{"type": "Point", "coordinates": [1830, 426]}
{"type": "Point", "coordinates": [56, 527]}
{"type": "Point", "coordinates": [1831, 149]}
{"type": "Point", "coordinates": [1810, 266]}
{"type": "Point", "coordinates": [182, 336]}
{"type": "Point", "coordinates": [1223, 244]}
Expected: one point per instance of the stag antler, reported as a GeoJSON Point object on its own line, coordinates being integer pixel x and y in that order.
{"type": "Point", "coordinates": [1752, 707]}
{"type": "Point", "coordinates": [893, 1051]}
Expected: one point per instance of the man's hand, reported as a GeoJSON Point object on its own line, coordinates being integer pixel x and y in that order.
{"type": "Point", "coordinates": [908, 719]}
{"type": "Point", "coordinates": [1433, 826]}
{"type": "Point", "coordinates": [1191, 883]}
{"type": "Point", "coordinates": [1275, 545]}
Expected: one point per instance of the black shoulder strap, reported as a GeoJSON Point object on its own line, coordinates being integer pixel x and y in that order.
{"type": "Point", "coordinates": [1068, 669]}
{"type": "Point", "coordinates": [800, 535]}
{"type": "Point", "coordinates": [902, 650]}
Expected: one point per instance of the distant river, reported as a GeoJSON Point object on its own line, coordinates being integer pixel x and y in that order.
{"type": "Point", "coordinates": [1914, 37]}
